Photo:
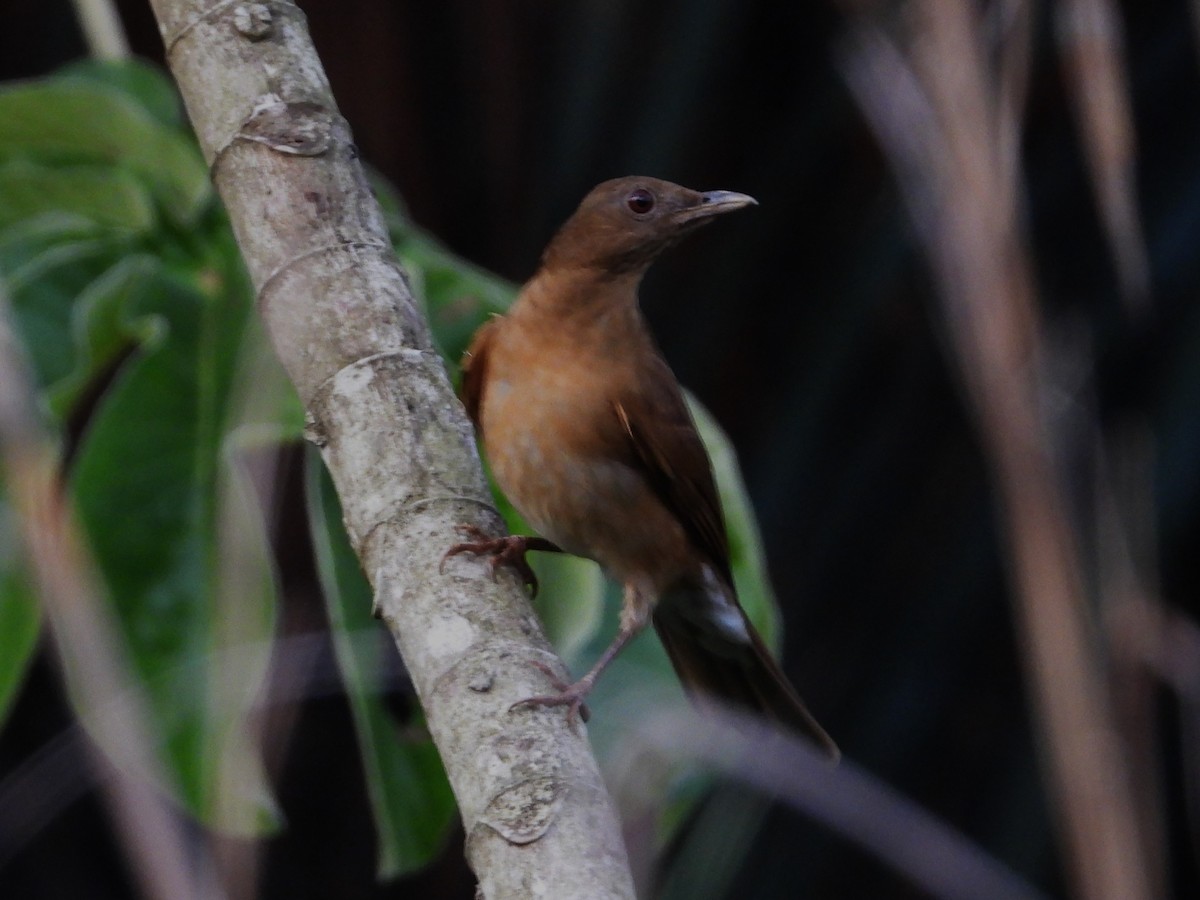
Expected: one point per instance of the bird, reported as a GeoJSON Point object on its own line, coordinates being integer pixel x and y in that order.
{"type": "Point", "coordinates": [588, 434]}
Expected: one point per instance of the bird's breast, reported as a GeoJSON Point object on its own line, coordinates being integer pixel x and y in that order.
{"type": "Point", "coordinates": [550, 433]}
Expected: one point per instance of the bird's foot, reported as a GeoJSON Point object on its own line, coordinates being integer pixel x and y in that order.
{"type": "Point", "coordinates": [569, 695]}
{"type": "Point", "coordinates": [504, 551]}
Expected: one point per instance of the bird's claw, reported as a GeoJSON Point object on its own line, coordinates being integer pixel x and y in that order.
{"type": "Point", "coordinates": [569, 695]}
{"type": "Point", "coordinates": [503, 551]}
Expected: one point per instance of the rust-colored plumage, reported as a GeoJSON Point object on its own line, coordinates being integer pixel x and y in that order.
{"type": "Point", "coordinates": [588, 435]}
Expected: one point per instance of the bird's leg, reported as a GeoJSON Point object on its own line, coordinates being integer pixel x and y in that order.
{"type": "Point", "coordinates": [635, 613]}
{"type": "Point", "coordinates": [509, 551]}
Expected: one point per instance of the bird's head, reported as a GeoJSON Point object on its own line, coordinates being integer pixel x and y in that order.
{"type": "Point", "coordinates": [624, 224]}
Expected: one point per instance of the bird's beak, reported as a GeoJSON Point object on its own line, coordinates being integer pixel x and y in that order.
{"type": "Point", "coordinates": [713, 203]}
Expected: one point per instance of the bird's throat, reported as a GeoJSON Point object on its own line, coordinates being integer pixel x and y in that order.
{"type": "Point", "coordinates": [578, 295]}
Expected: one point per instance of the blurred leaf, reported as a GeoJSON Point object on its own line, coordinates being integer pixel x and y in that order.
{"type": "Point", "coordinates": [273, 414]}
{"type": "Point", "coordinates": [705, 864]}
{"type": "Point", "coordinates": [112, 198]}
{"type": "Point", "coordinates": [20, 626]}
{"type": "Point", "coordinates": [100, 330]}
{"type": "Point", "coordinates": [240, 614]}
{"type": "Point", "coordinates": [63, 122]}
{"type": "Point", "coordinates": [145, 480]}
{"type": "Point", "coordinates": [134, 78]}
{"type": "Point", "coordinates": [410, 797]}
{"type": "Point", "coordinates": [97, 280]}
{"type": "Point", "coordinates": [570, 600]}
{"type": "Point", "coordinates": [46, 269]}
{"type": "Point", "coordinates": [746, 554]}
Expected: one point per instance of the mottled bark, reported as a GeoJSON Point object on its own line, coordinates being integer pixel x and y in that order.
{"type": "Point", "coordinates": [343, 321]}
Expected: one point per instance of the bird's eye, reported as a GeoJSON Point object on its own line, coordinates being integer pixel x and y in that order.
{"type": "Point", "coordinates": [640, 201]}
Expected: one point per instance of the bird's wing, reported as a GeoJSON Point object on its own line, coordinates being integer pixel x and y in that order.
{"type": "Point", "coordinates": [474, 369]}
{"type": "Point", "coordinates": [667, 448]}
{"type": "Point", "coordinates": [712, 644]}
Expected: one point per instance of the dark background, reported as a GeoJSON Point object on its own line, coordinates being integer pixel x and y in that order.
{"type": "Point", "coordinates": [809, 328]}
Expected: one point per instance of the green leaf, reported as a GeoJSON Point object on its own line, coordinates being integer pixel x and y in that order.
{"type": "Point", "coordinates": [240, 618]}
{"type": "Point", "coordinates": [746, 554]}
{"type": "Point", "coordinates": [570, 600]}
{"type": "Point", "coordinates": [48, 265]}
{"type": "Point", "coordinates": [112, 198]}
{"type": "Point", "coordinates": [86, 163]}
{"type": "Point", "coordinates": [410, 797]}
{"type": "Point", "coordinates": [138, 80]}
{"type": "Point", "coordinates": [20, 623]}
{"type": "Point", "coordinates": [146, 482]}
{"type": "Point", "coordinates": [101, 330]}
{"type": "Point", "coordinates": [61, 121]}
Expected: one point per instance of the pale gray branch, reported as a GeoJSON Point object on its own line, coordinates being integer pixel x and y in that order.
{"type": "Point", "coordinates": [343, 322]}
{"type": "Point", "coordinates": [101, 26]}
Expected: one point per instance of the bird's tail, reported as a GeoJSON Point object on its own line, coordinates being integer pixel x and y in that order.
{"type": "Point", "coordinates": [717, 653]}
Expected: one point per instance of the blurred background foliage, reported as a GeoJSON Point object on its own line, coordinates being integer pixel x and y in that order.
{"type": "Point", "coordinates": [807, 326]}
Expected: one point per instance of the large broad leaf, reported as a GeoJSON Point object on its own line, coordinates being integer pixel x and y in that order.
{"type": "Point", "coordinates": [410, 797]}
{"type": "Point", "coordinates": [137, 328]}
{"type": "Point", "coordinates": [112, 198]}
{"type": "Point", "coordinates": [102, 328]}
{"type": "Point", "coordinates": [146, 481]}
{"type": "Point", "coordinates": [47, 265]}
{"type": "Point", "coordinates": [74, 121]}
{"type": "Point", "coordinates": [136, 79]}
